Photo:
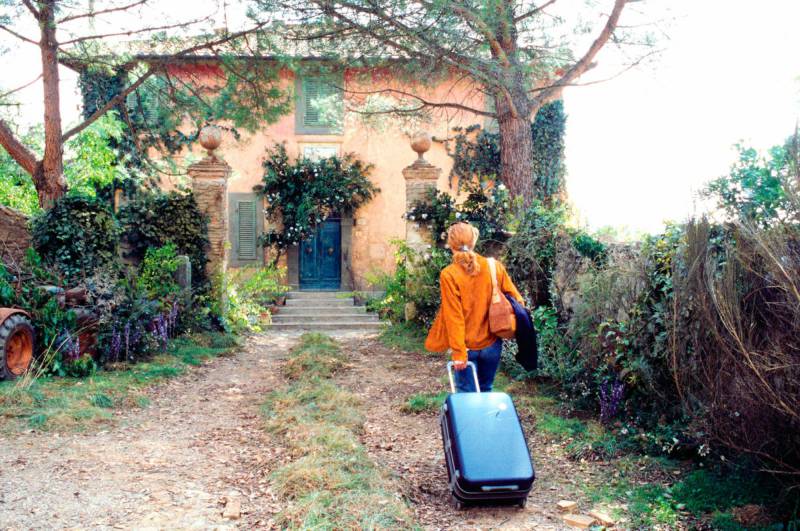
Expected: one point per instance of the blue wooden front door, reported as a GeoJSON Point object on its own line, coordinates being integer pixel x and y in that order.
{"type": "Point", "coordinates": [321, 257]}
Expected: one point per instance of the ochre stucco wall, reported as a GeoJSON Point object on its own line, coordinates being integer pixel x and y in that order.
{"type": "Point", "coordinates": [388, 149]}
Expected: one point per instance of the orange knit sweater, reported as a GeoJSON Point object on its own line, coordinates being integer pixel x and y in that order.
{"type": "Point", "coordinates": [463, 319]}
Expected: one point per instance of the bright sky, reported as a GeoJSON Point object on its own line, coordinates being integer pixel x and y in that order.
{"type": "Point", "coordinates": [640, 146]}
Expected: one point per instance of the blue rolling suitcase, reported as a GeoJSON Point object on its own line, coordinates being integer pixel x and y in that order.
{"type": "Point", "coordinates": [485, 449]}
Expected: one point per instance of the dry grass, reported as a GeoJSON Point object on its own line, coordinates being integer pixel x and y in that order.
{"type": "Point", "coordinates": [331, 483]}
{"type": "Point", "coordinates": [736, 364]}
{"type": "Point", "coordinates": [316, 355]}
{"type": "Point", "coordinates": [75, 404]}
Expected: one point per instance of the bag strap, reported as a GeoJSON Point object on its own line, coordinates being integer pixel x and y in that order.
{"type": "Point", "coordinates": [493, 272]}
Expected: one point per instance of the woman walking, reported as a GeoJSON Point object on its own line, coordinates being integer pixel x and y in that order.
{"type": "Point", "coordinates": [462, 324]}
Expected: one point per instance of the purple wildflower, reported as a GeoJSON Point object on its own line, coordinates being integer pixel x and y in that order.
{"type": "Point", "coordinates": [161, 330]}
{"type": "Point", "coordinates": [610, 399]}
{"type": "Point", "coordinates": [116, 343]}
{"type": "Point", "coordinates": [69, 345]}
{"type": "Point", "coordinates": [127, 338]}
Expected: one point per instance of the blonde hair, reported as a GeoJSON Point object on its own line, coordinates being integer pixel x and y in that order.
{"type": "Point", "coordinates": [461, 238]}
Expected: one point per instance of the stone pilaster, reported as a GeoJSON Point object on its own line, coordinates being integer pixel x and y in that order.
{"type": "Point", "coordinates": [210, 187]}
{"type": "Point", "coordinates": [420, 177]}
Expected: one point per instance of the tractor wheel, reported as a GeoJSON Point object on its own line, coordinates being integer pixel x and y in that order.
{"type": "Point", "coordinates": [16, 346]}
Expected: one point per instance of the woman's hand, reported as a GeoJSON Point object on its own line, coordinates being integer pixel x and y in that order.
{"type": "Point", "coordinates": [459, 365]}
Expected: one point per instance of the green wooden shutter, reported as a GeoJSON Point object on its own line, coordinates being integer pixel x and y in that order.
{"type": "Point", "coordinates": [246, 230]}
{"type": "Point", "coordinates": [313, 90]}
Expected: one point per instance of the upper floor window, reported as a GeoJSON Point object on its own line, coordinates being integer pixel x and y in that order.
{"type": "Point", "coordinates": [320, 105]}
{"type": "Point", "coordinates": [320, 151]}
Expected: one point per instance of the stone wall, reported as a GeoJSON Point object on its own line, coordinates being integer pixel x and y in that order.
{"type": "Point", "coordinates": [623, 269]}
{"type": "Point", "coordinates": [14, 235]}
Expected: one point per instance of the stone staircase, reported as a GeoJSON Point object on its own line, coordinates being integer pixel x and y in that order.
{"type": "Point", "coordinates": [323, 311]}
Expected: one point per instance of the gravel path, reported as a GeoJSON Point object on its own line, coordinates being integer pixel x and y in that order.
{"type": "Point", "coordinates": [199, 454]}
{"type": "Point", "coordinates": [409, 445]}
{"type": "Point", "coordinates": [199, 447]}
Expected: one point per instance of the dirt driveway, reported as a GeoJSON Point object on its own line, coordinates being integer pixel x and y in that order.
{"type": "Point", "coordinates": [200, 451]}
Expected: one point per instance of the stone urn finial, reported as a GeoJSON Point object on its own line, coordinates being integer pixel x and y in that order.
{"type": "Point", "coordinates": [210, 137]}
{"type": "Point", "coordinates": [421, 143]}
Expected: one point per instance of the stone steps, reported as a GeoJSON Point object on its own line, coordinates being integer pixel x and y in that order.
{"type": "Point", "coordinates": [315, 318]}
{"type": "Point", "coordinates": [329, 327]}
{"type": "Point", "coordinates": [305, 295]}
{"type": "Point", "coordinates": [323, 311]}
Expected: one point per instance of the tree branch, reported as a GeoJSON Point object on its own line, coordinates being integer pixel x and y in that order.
{"type": "Point", "coordinates": [110, 104]}
{"type": "Point", "coordinates": [134, 32]}
{"type": "Point", "coordinates": [102, 11]}
{"type": "Point", "coordinates": [554, 91]}
{"type": "Point", "coordinates": [423, 101]}
{"type": "Point", "coordinates": [631, 66]}
{"type": "Point", "coordinates": [452, 58]}
{"type": "Point", "coordinates": [28, 84]}
{"type": "Point", "coordinates": [18, 35]}
{"type": "Point", "coordinates": [534, 11]}
{"type": "Point", "coordinates": [483, 29]}
{"type": "Point", "coordinates": [18, 151]}
{"type": "Point", "coordinates": [152, 70]}
{"type": "Point", "coordinates": [36, 12]}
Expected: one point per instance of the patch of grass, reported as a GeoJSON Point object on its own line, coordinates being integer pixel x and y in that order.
{"type": "Point", "coordinates": [317, 355]}
{"type": "Point", "coordinates": [406, 337]}
{"type": "Point", "coordinates": [702, 495]}
{"type": "Point", "coordinates": [331, 483]}
{"type": "Point", "coordinates": [561, 427]}
{"type": "Point", "coordinates": [703, 491]}
{"type": "Point", "coordinates": [424, 402]}
{"type": "Point", "coordinates": [78, 404]}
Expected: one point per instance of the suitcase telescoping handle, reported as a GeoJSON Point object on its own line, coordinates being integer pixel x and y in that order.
{"type": "Point", "coordinates": [474, 375]}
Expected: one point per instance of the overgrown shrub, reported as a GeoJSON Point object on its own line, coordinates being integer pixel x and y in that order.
{"type": "Point", "coordinates": [157, 273]}
{"type": "Point", "coordinates": [414, 285]}
{"type": "Point", "coordinates": [78, 235]}
{"type": "Point", "coordinates": [591, 248]}
{"type": "Point", "coordinates": [157, 219]}
{"type": "Point", "coordinates": [246, 295]}
{"type": "Point", "coordinates": [486, 206]}
{"type": "Point", "coordinates": [735, 355]}
{"type": "Point", "coordinates": [530, 253]}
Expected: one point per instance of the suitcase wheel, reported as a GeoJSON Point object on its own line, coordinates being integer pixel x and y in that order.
{"type": "Point", "coordinates": [522, 503]}
{"type": "Point", "coordinates": [457, 504]}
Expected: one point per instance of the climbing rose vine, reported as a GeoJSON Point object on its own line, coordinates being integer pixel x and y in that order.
{"type": "Point", "coordinates": [301, 194]}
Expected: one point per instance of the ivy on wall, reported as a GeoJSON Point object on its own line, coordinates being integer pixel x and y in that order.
{"type": "Point", "coordinates": [78, 235]}
{"type": "Point", "coordinates": [156, 219]}
{"type": "Point", "coordinates": [476, 153]}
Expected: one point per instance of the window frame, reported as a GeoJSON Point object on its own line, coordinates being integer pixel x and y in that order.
{"type": "Point", "coordinates": [300, 106]}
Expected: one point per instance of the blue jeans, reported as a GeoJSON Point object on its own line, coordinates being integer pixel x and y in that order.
{"type": "Point", "coordinates": [486, 361]}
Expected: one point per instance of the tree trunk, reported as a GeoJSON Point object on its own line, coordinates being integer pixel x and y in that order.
{"type": "Point", "coordinates": [516, 155]}
{"type": "Point", "coordinates": [49, 176]}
